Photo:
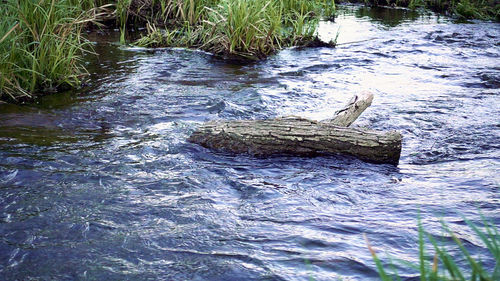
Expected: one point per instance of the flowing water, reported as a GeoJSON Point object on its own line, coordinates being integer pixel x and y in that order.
{"type": "Point", "coordinates": [100, 184]}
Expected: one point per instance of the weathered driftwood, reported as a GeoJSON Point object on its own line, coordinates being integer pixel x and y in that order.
{"type": "Point", "coordinates": [303, 137]}
{"type": "Point", "coordinates": [351, 111]}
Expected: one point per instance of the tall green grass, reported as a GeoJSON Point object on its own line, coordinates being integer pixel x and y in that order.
{"type": "Point", "coordinates": [40, 46]}
{"type": "Point", "coordinates": [122, 12]}
{"type": "Point", "coordinates": [464, 9]}
{"type": "Point", "coordinates": [164, 12]}
{"type": "Point", "coordinates": [442, 265]}
{"type": "Point", "coordinates": [248, 29]}
{"type": "Point", "coordinates": [241, 27]}
{"type": "Point", "coordinates": [155, 14]}
{"type": "Point", "coordinates": [41, 42]}
{"type": "Point", "coordinates": [476, 9]}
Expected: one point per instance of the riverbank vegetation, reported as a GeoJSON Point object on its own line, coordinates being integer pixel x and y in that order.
{"type": "Point", "coordinates": [450, 259]}
{"type": "Point", "coordinates": [243, 29]}
{"type": "Point", "coordinates": [465, 9]}
{"type": "Point", "coordinates": [41, 42]}
{"type": "Point", "coordinates": [41, 45]}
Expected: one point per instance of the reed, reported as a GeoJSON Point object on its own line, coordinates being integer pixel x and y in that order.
{"type": "Point", "coordinates": [414, 4]}
{"type": "Point", "coordinates": [323, 8]}
{"type": "Point", "coordinates": [122, 12]}
{"type": "Point", "coordinates": [41, 42]}
{"type": "Point", "coordinates": [167, 12]}
{"type": "Point", "coordinates": [303, 28]}
{"type": "Point", "coordinates": [443, 266]}
{"type": "Point", "coordinates": [245, 29]}
{"type": "Point", "coordinates": [180, 37]}
{"type": "Point", "coordinates": [476, 9]}
{"type": "Point", "coordinates": [40, 46]}
{"type": "Point", "coordinates": [463, 9]}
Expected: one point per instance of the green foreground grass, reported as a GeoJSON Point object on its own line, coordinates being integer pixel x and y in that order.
{"type": "Point", "coordinates": [441, 265]}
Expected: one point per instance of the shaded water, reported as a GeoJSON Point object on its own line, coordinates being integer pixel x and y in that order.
{"type": "Point", "coordinates": [102, 185]}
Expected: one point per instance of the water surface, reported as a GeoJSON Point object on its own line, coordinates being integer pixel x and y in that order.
{"type": "Point", "coordinates": [101, 184]}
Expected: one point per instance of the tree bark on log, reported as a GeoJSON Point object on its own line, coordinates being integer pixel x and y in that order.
{"type": "Point", "coordinates": [303, 137]}
{"type": "Point", "coordinates": [351, 111]}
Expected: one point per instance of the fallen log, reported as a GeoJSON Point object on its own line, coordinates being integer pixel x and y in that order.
{"type": "Point", "coordinates": [303, 137]}
{"type": "Point", "coordinates": [351, 111]}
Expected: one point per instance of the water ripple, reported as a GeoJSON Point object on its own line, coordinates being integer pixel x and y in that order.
{"type": "Point", "coordinates": [101, 184]}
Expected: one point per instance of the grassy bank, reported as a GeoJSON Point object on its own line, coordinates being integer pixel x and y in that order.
{"type": "Point", "coordinates": [245, 29]}
{"type": "Point", "coordinates": [466, 9]}
{"type": "Point", "coordinates": [41, 46]}
{"type": "Point", "coordinates": [41, 41]}
{"type": "Point", "coordinates": [442, 262]}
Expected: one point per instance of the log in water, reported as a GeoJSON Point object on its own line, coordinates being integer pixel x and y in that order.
{"type": "Point", "coordinates": [304, 137]}
{"type": "Point", "coordinates": [298, 136]}
{"type": "Point", "coordinates": [99, 183]}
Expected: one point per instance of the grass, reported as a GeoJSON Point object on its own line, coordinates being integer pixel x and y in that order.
{"type": "Point", "coordinates": [40, 46]}
{"type": "Point", "coordinates": [477, 9]}
{"type": "Point", "coordinates": [463, 9]}
{"type": "Point", "coordinates": [161, 13]}
{"type": "Point", "coordinates": [122, 12]}
{"type": "Point", "coordinates": [41, 42]}
{"type": "Point", "coordinates": [244, 29]}
{"type": "Point", "coordinates": [443, 266]}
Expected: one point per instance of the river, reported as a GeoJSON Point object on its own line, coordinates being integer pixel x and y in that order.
{"type": "Point", "coordinates": [100, 183]}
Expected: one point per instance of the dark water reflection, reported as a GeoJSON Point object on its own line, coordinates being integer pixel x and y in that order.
{"type": "Point", "coordinates": [101, 184]}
